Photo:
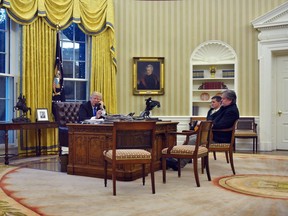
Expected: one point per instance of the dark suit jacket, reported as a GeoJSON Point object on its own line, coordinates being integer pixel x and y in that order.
{"type": "Point", "coordinates": [212, 116]}
{"type": "Point", "coordinates": [225, 118]}
{"type": "Point", "coordinates": [86, 111]}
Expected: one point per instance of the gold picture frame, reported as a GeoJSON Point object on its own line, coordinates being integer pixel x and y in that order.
{"type": "Point", "coordinates": [148, 75]}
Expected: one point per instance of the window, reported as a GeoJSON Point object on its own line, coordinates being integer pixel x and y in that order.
{"type": "Point", "coordinates": [73, 44]}
{"type": "Point", "coordinates": [6, 79]}
{"type": "Point", "coordinates": [3, 42]}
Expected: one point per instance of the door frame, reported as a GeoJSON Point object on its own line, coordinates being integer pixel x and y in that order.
{"type": "Point", "coordinates": [267, 123]}
{"type": "Point", "coordinates": [279, 94]}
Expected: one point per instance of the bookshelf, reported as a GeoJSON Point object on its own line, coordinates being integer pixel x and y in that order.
{"type": "Point", "coordinates": [213, 66]}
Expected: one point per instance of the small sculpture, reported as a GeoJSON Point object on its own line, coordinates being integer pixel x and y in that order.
{"type": "Point", "coordinates": [21, 105]}
{"type": "Point", "coordinates": [150, 104]}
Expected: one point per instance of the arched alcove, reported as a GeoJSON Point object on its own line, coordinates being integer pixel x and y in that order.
{"type": "Point", "coordinates": [209, 54]}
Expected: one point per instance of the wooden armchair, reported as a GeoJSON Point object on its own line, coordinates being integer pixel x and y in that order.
{"type": "Point", "coordinates": [199, 150]}
{"type": "Point", "coordinates": [225, 147]}
{"type": "Point", "coordinates": [132, 143]}
{"type": "Point", "coordinates": [247, 129]}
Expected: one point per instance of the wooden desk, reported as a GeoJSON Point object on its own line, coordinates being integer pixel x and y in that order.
{"type": "Point", "coordinates": [25, 126]}
{"type": "Point", "coordinates": [87, 143]}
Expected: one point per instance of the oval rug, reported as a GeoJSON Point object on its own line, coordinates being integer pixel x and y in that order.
{"type": "Point", "coordinates": [269, 186]}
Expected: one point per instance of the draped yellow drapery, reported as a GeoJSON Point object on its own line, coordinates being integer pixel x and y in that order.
{"type": "Point", "coordinates": [94, 17]}
{"type": "Point", "coordinates": [104, 68]}
{"type": "Point", "coordinates": [38, 54]}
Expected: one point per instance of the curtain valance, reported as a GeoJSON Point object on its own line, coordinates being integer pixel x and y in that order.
{"type": "Point", "coordinates": [92, 16]}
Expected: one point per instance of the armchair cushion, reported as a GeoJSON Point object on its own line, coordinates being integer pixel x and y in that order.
{"type": "Point", "coordinates": [123, 154]}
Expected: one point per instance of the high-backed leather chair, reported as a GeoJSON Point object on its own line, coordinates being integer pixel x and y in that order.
{"type": "Point", "coordinates": [65, 112]}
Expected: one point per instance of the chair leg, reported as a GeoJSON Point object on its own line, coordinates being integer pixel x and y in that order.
{"type": "Point", "coordinates": [152, 177]}
{"type": "Point", "coordinates": [256, 144]}
{"type": "Point", "coordinates": [214, 154]}
{"type": "Point", "coordinates": [253, 145]}
{"type": "Point", "coordinates": [179, 167]}
{"type": "Point", "coordinates": [143, 174]}
{"type": "Point", "coordinates": [227, 158]}
{"type": "Point", "coordinates": [231, 162]}
{"type": "Point", "coordinates": [114, 179]}
{"type": "Point", "coordinates": [195, 166]}
{"type": "Point", "coordinates": [105, 173]}
{"type": "Point", "coordinates": [164, 169]}
{"type": "Point", "coordinates": [206, 162]}
{"type": "Point", "coordinates": [202, 165]}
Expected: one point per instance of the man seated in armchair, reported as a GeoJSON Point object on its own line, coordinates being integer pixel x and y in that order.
{"type": "Point", "coordinates": [224, 118]}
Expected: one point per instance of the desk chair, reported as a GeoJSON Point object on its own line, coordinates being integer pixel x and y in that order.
{"type": "Point", "coordinates": [247, 129]}
{"type": "Point", "coordinates": [132, 143]}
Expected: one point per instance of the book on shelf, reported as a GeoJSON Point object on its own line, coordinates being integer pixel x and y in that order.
{"type": "Point", "coordinates": [198, 73]}
{"type": "Point", "coordinates": [213, 85]}
{"type": "Point", "coordinates": [227, 73]}
{"type": "Point", "coordinates": [195, 110]}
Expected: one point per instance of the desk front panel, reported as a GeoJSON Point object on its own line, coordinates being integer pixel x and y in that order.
{"type": "Point", "coordinates": [87, 143]}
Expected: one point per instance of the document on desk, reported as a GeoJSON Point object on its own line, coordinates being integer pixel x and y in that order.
{"type": "Point", "coordinates": [93, 120]}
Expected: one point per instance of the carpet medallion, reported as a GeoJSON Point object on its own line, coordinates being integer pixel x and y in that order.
{"type": "Point", "coordinates": [269, 186]}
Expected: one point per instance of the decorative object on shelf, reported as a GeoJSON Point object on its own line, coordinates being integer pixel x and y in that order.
{"type": "Point", "coordinates": [198, 73]}
{"type": "Point", "coordinates": [228, 73]}
{"type": "Point", "coordinates": [219, 94]}
{"type": "Point", "coordinates": [205, 96]}
{"type": "Point", "coordinates": [22, 107]}
{"type": "Point", "coordinates": [213, 85]}
{"type": "Point", "coordinates": [212, 71]}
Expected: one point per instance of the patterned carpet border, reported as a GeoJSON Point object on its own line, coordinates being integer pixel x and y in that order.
{"type": "Point", "coordinates": [10, 205]}
{"type": "Point", "coordinates": [259, 185]}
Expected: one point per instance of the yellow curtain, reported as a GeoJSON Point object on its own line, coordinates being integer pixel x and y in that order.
{"type": "Point", "coordinates": [104, 68]}
{"type": "Point", "coordinates": [38, 57]}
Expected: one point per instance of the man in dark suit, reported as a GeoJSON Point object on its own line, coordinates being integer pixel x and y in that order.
{"type": "Point", "coordinates": [226, 117]}
{"type": "Point", "coordinates": [215, 107]}
{"type": "Point", "coordinates": [93, 107]}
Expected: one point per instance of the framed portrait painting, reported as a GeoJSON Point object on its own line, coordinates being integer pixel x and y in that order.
{"type": "Point", "coordinates": [148, 75]}
{"type": "Point", "coordinates": [42, 114]}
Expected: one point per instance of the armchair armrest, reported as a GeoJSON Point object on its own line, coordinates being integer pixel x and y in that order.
{"type": "Point", "coordinates": [172, 143]}
{"type": "Point", "coordinates": [255, 127]}
{"type": "Point", "coordinates": [223, 130]}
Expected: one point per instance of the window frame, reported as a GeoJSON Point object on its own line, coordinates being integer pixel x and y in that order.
{"type": "Point", "coordinates": [75, 80]}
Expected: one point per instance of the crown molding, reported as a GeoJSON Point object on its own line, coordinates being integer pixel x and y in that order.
{"type": "Point", "coordinates": [276, 18]}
